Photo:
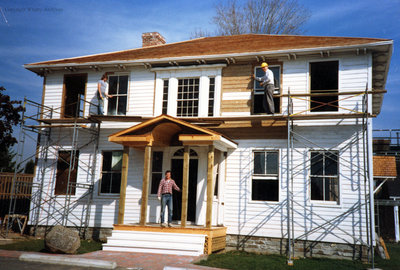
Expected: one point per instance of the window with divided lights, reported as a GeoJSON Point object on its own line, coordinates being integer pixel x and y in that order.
{"type": "Point", "coordinates": [324, 176]}
{"type": "Point", "coordinates": [118, 88]}
{"type": "Point", "coordinates": [211, 97]}
{"type": "Point", "coordinates": [165, 96]}
{"type": "Point", "coordinates": [265, 180]}
{"type": "Point", "coordinates": [258, 94]}
{"type": "Point", "coordinates": [188, 97]}
{"type": "Point", "coordinates": [324, 79]}
{"type": "Point", "coordinates": [111, 172]}
{"type": "Point", "coordinates": [156, 171]}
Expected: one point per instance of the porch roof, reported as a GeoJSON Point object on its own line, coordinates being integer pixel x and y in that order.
{"type": "Point", "coordinates": [165, 130]}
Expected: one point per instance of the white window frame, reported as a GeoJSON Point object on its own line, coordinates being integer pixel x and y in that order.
{"type": "Point", "coordinates": [127, 93]}
{"type": "Point", "coordinates": [266, 177]}
{"type": "Point", "coordinates": [101, 174]}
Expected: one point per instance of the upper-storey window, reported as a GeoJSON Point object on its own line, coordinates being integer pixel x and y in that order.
{"type": "Point", "coordinates": [259, 90]}
{"type": "Point", "coordinates": [188, 97]}
{"type": "Point", "coordinates": [118, 88]}
{"type": "Point", "coordinates": [324, 79]}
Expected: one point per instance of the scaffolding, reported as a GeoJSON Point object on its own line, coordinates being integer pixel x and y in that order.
{"type": "Point", "coordinates": [45, 206]}
{"type": "Point", "coordinates": [362, 137]}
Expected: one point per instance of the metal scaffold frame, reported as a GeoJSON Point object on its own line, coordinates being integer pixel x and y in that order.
{"type": "Point", "coordinates": [42, 124]}
{"type": "Point", "coordinates": [364, 168]}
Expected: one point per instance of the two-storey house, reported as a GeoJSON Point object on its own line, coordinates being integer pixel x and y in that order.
{"type": "Point", "coordinates": [298, 181]}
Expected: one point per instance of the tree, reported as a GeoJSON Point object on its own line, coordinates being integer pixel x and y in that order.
{"type": "Point", "coordinates": [258, 17]}
{"type": "Point", "coordinates": [30, 167]}
{"type": "Point", "coordinates": [10, 116]}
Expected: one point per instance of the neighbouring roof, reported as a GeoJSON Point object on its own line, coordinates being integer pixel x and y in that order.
{"type": "Point", "coordinates": [221, 45]}
{"type": "Point", "coordinates": [385, 166]}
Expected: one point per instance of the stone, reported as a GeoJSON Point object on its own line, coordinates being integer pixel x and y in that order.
{"type": "Point", "coordinates": [62, 240]}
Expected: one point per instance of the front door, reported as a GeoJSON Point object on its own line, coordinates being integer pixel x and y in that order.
{"type": "Point", "coordinates": [177, 173]}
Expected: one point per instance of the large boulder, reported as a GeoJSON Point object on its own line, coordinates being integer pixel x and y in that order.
{"type": "Point", "coordinates": [62, 240]}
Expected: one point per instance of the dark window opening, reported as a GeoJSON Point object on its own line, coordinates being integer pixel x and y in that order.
{"type": "Point", "coordinates": [111, 172]}
{"type": "Point", "coordinates": [265, 182]}
{"type": "Point", "coordinates": [156, 171]}
{"type": "Point", "coordinates": [258, 93]}
{"type": "Point", "coordinates": [324, 79]}
{"type": "Point", "coordinates": [64, 165]}
{"type": "Point", "coordinates": [74, 95]}
{"type": "Point", "coordinates": [165, 97]}
{"type": "Point", "coordinates": [324, 176]}
{"type": "Point", "coordinates": [118, 88]}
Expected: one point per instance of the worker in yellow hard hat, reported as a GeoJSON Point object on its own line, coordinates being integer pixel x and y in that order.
{"type": "Point", "coordinates": [268, 82]}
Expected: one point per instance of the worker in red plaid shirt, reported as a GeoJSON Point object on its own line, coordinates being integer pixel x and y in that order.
{"type": "Point", "coordinates": [165, 195]}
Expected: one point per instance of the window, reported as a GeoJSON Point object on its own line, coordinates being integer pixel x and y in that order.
{"type": "Point", "coordinates": [211, 97]}
{"type": "Point", "coordinates": [265, 182]}
{"type": "Point", "coordinates": [188, 97]}
{"type": "Point", "coordinates": [324, 79]}
{"type": "Point", "coordinates": [259, 90]}
{"type": "Point", "coordinates": [165, 97]}
{"type": "Point", "coordinates": [111, 172]}
{"type": "Point", "coordinates": [324, 176]}
{"type": "Point", "coordinates": [118, 88]}
{"type": "Point", "coordinates": [156, 171]}
{"type": "Point", "coordinates": [64, 163]}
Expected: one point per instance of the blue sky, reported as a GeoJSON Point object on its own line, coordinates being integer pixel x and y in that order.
{"type": "Point", "coordinates": [33, 31]}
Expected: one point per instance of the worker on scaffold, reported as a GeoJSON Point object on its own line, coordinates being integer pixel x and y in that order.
{"type": "Point", "coordinates": [267, 81]}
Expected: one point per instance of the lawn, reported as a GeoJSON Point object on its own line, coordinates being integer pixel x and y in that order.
{"type": "Point", "coordinates": [250, 261]}
{"type": "Point", "coordinates": [38, 246]}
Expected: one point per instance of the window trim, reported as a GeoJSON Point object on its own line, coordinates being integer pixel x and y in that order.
{"type": "Point", "coordinates": [337, 203]}
{"type": "Point", "coordinates": [267, 177]}
{"type": "Point", "coordinates": [99, 193]}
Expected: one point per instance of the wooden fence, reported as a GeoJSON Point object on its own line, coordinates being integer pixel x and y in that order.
{"type": "Point", "coordinates": [23, 185]}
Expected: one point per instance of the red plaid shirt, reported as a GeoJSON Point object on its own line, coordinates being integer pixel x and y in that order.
{"type": "Point", "coordinates": [166, 186]}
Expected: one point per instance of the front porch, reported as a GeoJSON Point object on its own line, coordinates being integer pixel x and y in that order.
{"type": "Point", "coordinates": [165, 132]}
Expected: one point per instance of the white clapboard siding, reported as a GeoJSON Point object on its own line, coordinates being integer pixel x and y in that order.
{"type": "Point", "coordinates": [156, 242]}
{"type": "Point", "coordinates": [258, 218]}
{"type": "Point", "coordinates": [54, 92]}
{"type": "Point", "coordinates": [141, 92]}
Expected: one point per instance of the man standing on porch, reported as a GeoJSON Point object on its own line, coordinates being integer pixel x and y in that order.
{"type": "Point", "coordinates": [165, 190]}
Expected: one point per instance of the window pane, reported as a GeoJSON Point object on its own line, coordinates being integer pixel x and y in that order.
{"type": "Point", "coordinates": [112, 106]}
{"type": "Point", "coordinates": [107, 161]}
{"type": "Point", "coordinates": [106, 183]}
{"type": "Point", "coordinates": [272, 163]}
{"type": "Point", "coordinates": [259, 162]}
{"type": "Point", "coordinates": [155, 181]}
{"type": "Point", "coordinates": [331, 189]}
{"type": "Point", "coordinates": [116, 183]}
{"type": "Point", "coordinates": [265, 190]}
{"type": "Point", "coordinates": [317, 188]}
{"type": "Point", "coordinates": [122, 105]}
{"type": "Point", "coordinates": [331, 164]}
{"type": "Point", "coordinates": [259, 73]}
{"type": "Point", "coordinates": [317, 163]}
{"type": "Point", "coordinates": [157, 161]}
{"type": "Point", "coordinates": [123, 85]}
{"type": "Point", "coordinates": [112, 85]}
{"type": "Point", "coordinates": [116, 163]}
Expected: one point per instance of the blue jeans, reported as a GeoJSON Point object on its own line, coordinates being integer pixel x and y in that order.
{"type": "Point", "coordinates": [166, 200]}
{"type": "Point", "coordinates": [100, 110]}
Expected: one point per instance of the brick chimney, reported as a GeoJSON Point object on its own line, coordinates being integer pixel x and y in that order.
{"type": "Point", "coordinates": [152, 38]}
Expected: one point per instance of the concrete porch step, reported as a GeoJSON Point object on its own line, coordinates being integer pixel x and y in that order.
{"type": "Point", "coordinates": [156, 242]}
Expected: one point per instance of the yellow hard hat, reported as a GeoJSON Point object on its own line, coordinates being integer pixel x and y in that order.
{"type": "Point", "coordinates": [264, 65]}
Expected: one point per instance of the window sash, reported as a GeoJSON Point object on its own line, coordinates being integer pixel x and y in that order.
{"type": "Point", "coordinates": [211, 97]}
{"type": "Point", "coordinates": [165, 96]}
{"type": "Point", "coordinates": [188, 97]}
{"type": "Point", "coordinates": [276, 70]}
{"type": "Point", "coordinates": [111, 172]}
{"type": "Point", "coordinates": [118, 88]}
{"type": "Point", "coordinates": [264, 177]}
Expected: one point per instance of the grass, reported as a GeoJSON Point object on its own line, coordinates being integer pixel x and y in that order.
{"type": "Point", "coordinates": [38, 246]}
{"type": "Point", "coordinates": [244, 260]}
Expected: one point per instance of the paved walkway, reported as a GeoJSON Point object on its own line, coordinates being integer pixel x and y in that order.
{"type": "Point", "coordinates": [145, 261]}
